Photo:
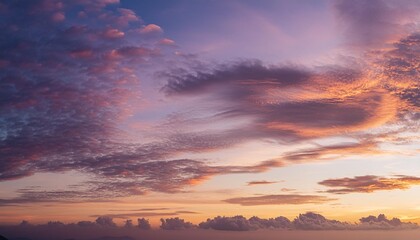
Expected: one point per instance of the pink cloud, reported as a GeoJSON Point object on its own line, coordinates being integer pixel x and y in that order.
{"type": "Point", "coordinates": [167, 41]}
{"type": "Point", "coordinates": [58, 17]}
{"type": "Point", "coordinates": [127, 15]}
{"type": "Point", "coordinates": [151, 28]}
{"type": "Point", "coordinates": [113, 33]}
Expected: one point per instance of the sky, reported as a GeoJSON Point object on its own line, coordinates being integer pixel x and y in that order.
{"type": "Point", "coordinates": [196, 109]}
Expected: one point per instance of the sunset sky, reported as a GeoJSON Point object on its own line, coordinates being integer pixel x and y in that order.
{"type": "Point", "coordinates": [194, 109]}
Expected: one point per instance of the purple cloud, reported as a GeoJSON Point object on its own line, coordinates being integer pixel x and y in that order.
{"type": "Point", "coordinates": [240, 223]}
{"type": "Point", "coordinates": [236, 223]}
{"type": "Point", "coordinates": [369, 184]}
{"type": "Point", "coordinates": [175, 224]}
{"type": "Point", "coordinates": [62, 93]}
{"type": "Point", "coordinates": [60, 99]}
{"type": "Point", "coordinates": [314, 221]}
{"type": "Point", "coordinates": [143, 224]}
{"type": "Point", "coordinates": [252, 183]}
{"type": "Point", "coordinates": [105, 221]}
{"type": "Point", "coordinates": [372, 23]}
{"type": "Point", "coordinates": [382, 223]}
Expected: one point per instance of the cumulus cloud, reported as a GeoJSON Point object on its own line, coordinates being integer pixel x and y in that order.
{"type": "Point", "coordinates": [151, 29]}
{"type": "Point", "coordinates": [236, 223]}
{"type": "Point", "coordinates": [369, 183]}
{"type": "Point", "coordinates": [105, 221]}
{"type": "Point", "coordinates": [143, 223]}
{"type": "Point", "coordinates": [382, 223]}
{"type": "Point", "coordinates": [279, 199]}
{"type": "Point", "coordinates": [240, 223]}
{"type": "Point", "coordinates": [175, 224]}
{"type": "Point", "coordinates": [278, 222]}
{"type": "Point", "coordinates": [314, 221]}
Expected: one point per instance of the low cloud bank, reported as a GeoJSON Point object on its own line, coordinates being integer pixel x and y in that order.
{"type": "Point", "coordinates": [306, 221]}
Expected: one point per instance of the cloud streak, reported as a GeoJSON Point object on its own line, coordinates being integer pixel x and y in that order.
{"type": "Point", "coordinates": [369, 184]}
{"type": "Point", "coordinates": [280, 199]}
{"type": "Point", "coordinates": [253, 183]}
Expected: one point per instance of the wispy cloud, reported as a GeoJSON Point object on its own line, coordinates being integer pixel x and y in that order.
{"type": "Point", "coordinates": [369, 184]}
{"type": "Point", "coordinates": [252, 183]}
{"type": "Point", "coordinates": [373, 23]}
{"type": "Point", "coordinates": [279, 199]}
{"type": "Point", "coordinates": [144, 214]}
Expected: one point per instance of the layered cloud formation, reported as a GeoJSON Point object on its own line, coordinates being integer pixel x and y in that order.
{"type": "Point", "coordinates": [70, 72]}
